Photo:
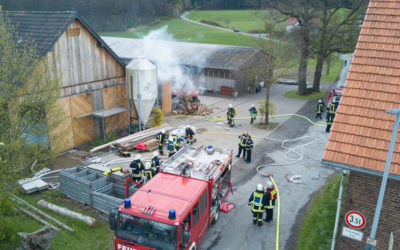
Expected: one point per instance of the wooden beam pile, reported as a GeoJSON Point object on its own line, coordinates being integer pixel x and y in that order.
{"type": "Point", "coordinates": [130, 141]}
{"type": "Point", "coordinates": [188, 105]}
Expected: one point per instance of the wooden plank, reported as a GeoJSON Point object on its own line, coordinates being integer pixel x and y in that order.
{"type": "Point", "coordinates": [110, 97]}
{"type": "Point", "coordinates": [73, 32]}
{"type": "Point", "coordinates": [166, 104]}
{"type": "Point", "coordinates": [62, 138]}
{"type": "Point", "coordinates": [83, 128]}
{"type": "Point", "coordinates": [132, 137]}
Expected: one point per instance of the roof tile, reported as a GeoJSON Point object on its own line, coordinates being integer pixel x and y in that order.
{"type": "Point", "coordinates": [361, 133]}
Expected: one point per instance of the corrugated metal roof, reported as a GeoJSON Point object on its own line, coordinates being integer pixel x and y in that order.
{"type": "Point", "coordinates": [46, 27]}
{"type": "Point", "coordinates": [194, 54]}
{"type": "Point", "coordinates": [362, 130]}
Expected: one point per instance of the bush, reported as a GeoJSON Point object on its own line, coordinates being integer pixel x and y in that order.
{"type": "Point", "coordinates": [271, 108]}
{"type": "Point", "coordinates": [157, 117]}
{"type": "Point", "coordinates": [211, 23]}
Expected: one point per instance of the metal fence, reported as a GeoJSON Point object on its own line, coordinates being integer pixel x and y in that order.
{"type": "Point", "coordinates": [109, 197]}
{"type": "Point", "coordinates": [79, 182]}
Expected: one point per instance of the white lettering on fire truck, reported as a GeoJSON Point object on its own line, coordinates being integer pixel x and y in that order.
{"type": "Point", "coordinates": [121, 247]}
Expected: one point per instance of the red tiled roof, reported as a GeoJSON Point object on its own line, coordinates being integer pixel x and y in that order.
{"type": "Point", "coordinates": [362, 129]}
{"type": "Point", "coordinates": [291, 21]}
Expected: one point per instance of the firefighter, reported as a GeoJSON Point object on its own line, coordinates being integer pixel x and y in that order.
{"type": "Point", "coordinates": [242, 144]}
{"type": "Point", "coordinates": [161, 139]}
{"type": "Point", "coordinates": [270, 197]}
{"type": "Point", "coordinates": [122, 152]}
{"type": "Point", "coordinates": [137, 168]}
{"type": "Point", "coordinates": [149, 171]}
{"type": "Point", "coordinates": [320, 109]}
{"type": "Point", "coordinates": [258, 201]}
{"type": "Point", "coordinates": [189, 134]}
{"type": "Point", "coordinates": [171, 146]}
{"type": "Point", "coordinates": [253, 113]}
{"type": "Point", "coordinates": [329, 121]}
{"type": "Point", "coordinates": [156, 161]}
{"type": "Point", "coordinates": [249, 148]}
{"type": "Point", "coordinates": [230, 115]}
{"type": "Point", "coordinates": [332, 108]}
{"type": "Point", "coordinates": [175, 137]}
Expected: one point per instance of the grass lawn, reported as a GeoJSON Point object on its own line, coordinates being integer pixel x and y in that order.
{"type": "Point", "coordinates": [334, 70]}
{"type": "Point", "coordinates": [189, 32]}
{"type": "Point", "coordinates": [84, 237]}
{"type": "Point", "coordinates": [314, 95]}
{"type": "Point", "coordinates": [317, 229]}
{"type": "Point", "coordinates": [244, 20]}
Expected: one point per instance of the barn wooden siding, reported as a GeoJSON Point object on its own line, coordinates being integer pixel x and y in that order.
{"type": "Point", "coordinates": [91, 79]}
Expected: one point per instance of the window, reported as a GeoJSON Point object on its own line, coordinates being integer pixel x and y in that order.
{"type": "Point", "coordinates": [195, 214]}
{"type": "Point", "coordinates": [221, 74]}
{"type": "Point", "coordinates": [203, 202]}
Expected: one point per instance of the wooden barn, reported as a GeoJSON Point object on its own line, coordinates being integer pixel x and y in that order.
{"type": "Point", "coordinates": [93, 92]}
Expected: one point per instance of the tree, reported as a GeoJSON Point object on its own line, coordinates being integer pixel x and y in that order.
{"type": "Point", "coordinates": [338, 32]}
{"type": "Point", "coordinates": [29, 89]}
{"type": "Point", "coordinates": [276, 60]}
{"type": "Point", "coordinates": [305, 11]}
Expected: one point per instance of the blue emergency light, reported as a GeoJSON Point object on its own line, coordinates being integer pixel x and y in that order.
{"type": "Point", "coordinates": [127, 203]}
{"type": "Point", "coordinates": [172, 214]}
{"type": "Point", "coordinates": [209, 147]}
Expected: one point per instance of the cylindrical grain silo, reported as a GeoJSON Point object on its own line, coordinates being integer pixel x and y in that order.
{"type": "Point", "coordinates": [141, 89]}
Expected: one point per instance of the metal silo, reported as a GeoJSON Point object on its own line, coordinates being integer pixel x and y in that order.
{"type": "Point", "coordinates": [141, 89]}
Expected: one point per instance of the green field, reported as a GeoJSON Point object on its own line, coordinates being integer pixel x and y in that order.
{"type": "Point", "coordinates": [84, 237]}
{"type": "Point", "coordinates": [245, 20]}
{"type": "Point", "coordinates": [189, 32]}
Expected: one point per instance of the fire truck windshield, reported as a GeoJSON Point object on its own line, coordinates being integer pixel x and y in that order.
{"type": "Point", "coordinates": [146, 232]}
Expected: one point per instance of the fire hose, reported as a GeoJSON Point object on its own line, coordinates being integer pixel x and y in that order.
{"type": "Point", "coordinates": [279, 212]}
{"type": "Point", "coordinates": [217, 118]}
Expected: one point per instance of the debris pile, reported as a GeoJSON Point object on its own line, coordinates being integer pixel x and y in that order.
{"type": "Point", "coordinates": [189, 105]}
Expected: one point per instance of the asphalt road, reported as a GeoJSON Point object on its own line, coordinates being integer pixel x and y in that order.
{"type": "Point", "coordinates": [235, 229]}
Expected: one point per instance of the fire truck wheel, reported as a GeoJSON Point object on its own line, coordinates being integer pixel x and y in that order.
{"type": "Point", "coordinates": [216, 216]}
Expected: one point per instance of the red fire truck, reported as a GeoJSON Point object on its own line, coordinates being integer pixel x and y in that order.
{"type": "Point", "coordinates": [175, 208]}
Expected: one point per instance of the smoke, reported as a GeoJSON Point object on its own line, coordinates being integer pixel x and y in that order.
{"type": "Point", "coordinates": [156, 46]}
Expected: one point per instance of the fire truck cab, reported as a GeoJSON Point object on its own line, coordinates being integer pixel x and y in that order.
{"type": "Point", "coordinates": [174, 209]}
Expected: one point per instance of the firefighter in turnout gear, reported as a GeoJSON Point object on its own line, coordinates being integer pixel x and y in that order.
{"type": "Point", "coordinates": [175, 137]}
{"type": "Point", "coordinates": [156, 161]}
{"type": "Point", "coordinates": [320, 109]}
{"type": "Point", "coordinates": [161, 137]}
{"type": "Point", "coordinates": [242, 144]}
{"type": "Point", "coordinates": [249, 148]}
{"type": "Point", "coordinates": [329, 121]}
{"type": "Point", "coordinates": [137, 168]}
{"type": "Point", "coordinates": [253, 113]}
{"type": "Point", "coordinates": [149, 171]}
{"type": "Point", "coordinates": [271, 197]}
{"type": "Point", "coordinates": [171, 147]}
{"type": "Point", "coordinates": [258, 201]}
{"type": "Point", "coordinates": [189, 134]}
{"type": "Point", "coordinates": [230, 115]}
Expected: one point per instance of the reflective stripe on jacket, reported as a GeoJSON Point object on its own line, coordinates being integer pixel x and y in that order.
{"type": "Point", "coordinates": [243, 140]}
{"type": "Point", "coordinates": [257, 201]}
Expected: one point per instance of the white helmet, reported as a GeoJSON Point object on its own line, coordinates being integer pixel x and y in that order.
{"type": "Point", "coordinates": [270, 184]}
{"type": "Point", "coordinates": [260, 187]}
{"type": "Point", "coordinates": [163, 131]}
{"type": "Point", "coordinates": [147, 165]}
{"type": "Point", "coordinates": [155, 154]}
{"type": "Point", "coordinates": [252, 105]}
{"type": "Point", "coordinates": [137, 157]}
{"type": "Point", "coordinates": [170, 138]}
{"type": "Point", "coordinates": [188, 126]}
{"type": "Point", "coordinates": [319, 100]}
{"type": "Point", "coordinates": [230, 105]}
{"type": "Point", "coordinates": [174, 132]}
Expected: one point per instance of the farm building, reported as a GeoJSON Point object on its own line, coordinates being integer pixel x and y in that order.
{"type": "Point", "coordinates": [93, 92]}
{"type": "Point", "coordinates": [210, 66]}
{"type": "Point", "coordinates": [362, 130]}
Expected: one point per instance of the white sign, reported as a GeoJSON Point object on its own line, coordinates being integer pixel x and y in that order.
{"type": "Point", "coordinates": [352, 234]}
{"type": "Point", "coordinates": [371, 241]}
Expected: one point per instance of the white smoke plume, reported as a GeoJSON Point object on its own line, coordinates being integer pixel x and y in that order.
{"type": "Point", "coordinates": [168, 64]}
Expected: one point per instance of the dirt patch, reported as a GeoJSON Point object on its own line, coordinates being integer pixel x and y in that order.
{"type": "Point", "coordinates": [269, 126]}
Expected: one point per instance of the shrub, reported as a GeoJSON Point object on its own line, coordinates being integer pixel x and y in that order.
{"type": "Point", "coordinates": [157, 117]}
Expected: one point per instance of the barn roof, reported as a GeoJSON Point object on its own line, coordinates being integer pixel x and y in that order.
{"type": "Point", "coordinates": [201, 55]}
{"type": "Point", "coordinates": [361, 131]}
{"type": "Point", "coordinates": [46, 27]}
